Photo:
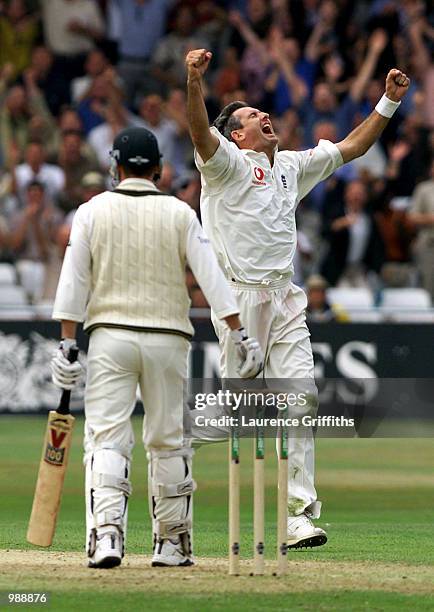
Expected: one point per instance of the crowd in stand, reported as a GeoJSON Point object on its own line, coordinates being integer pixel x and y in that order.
{"type": "Point", "coordinates": [75, 72]}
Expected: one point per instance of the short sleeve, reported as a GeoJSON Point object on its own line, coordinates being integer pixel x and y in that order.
{"type": "Point", "coordinates": [227, 164]}
{"type": "Point", "coordinates": [315, 165]}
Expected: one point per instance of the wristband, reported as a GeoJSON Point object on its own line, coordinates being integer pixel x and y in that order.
{"type": "Point", "coordinates": [386, 107]}
{"type": "Point", "coordinates": [67, 343]}
{"type": "Point", "coordinates": [238, 335]}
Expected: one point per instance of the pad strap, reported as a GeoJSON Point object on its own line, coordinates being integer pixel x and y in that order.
{"type": "Point", "coordinates": [186, 487]}
{"type": "Point", "coordinates": [167, 529]}
{"type": "Point", "coordinates": [111, 517]}
{"type": "Point", "coordinates": [108, 480]}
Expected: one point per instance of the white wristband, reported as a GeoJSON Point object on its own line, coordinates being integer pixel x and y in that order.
{"type": "Point", "coordinates": [386, 107]}
{"type": "Point", "coordinates": [238, 335]}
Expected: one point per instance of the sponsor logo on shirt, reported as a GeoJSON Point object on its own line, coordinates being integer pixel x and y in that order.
{"type": "Point", "coordinates": [259, 176]}
{"type": "Point", "coordinates": [203, 240]}
{"type": "Point", "coordinates": [284, 182]}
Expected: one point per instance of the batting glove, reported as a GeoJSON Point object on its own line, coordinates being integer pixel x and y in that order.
{"type": "Point", "coordinates": [65, 374]}
{"type": "Point", "coordinates": [249, 352]}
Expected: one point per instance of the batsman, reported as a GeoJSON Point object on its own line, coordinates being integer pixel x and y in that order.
{"type": "Point", "coordinates": [124, 276]}
{"type": "Point", "coordinates": [250, 193]}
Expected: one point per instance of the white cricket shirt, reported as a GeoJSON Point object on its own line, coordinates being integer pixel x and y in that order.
{"type": "Point", "coordinates": [248, 206]}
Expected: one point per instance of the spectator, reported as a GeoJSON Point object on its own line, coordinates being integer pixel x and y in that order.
{"type": "Point", "coordinates": [228, 76]}
{"type": "Point", "coordinates": [175, 109]}
{"type": "Point", "coordinates": [136, 50]}
{"type": "Point", "coordinates": [72, 28]}
{"type": "Point", "coordinates": [104, 90]}
{"type": "Point", "coordinates": [318, 308]}
{"type": "Point", "coordinates": [95, 65]}
{"type": "Point", "coordinates": [18, 33]}
{"type": "Point", "coordinates": [152, 117]}
{"type": "Point", "coordinates": [407, 159]}
{"type": "Point", "coordinates": [188, 189]}
{"type": "Point", "coordinates": [50, 176]}
{"type": "Point", "coordinates": [102, 136]}
{"type": "Point", "coordinates": [354, 243]}
{"type": "Point", "coordinates": [325, 105]}
{"type": "Point", "coordinates": [397, 234]}
{"type": "Point", "coordinates": [54, 86]}
{"type": "Point", "coordinates": [422, 215]}
{"type": "Point", "coordinates": [69, 120]}
{"type": "Point", "coordinates": [302, 257]}
{"type": "Point", "coordinates": [168, 59]}
{"type": "Point", "coordinates": [91, 184]}
{"type": "Point", "coordinates": [291, 78]}
{"type": "Point", "coordinates": [75, 163]}
{"type": "Point", "coordinates": [289, 129]}
{"type": "Point", "coordinates": [24, 111]}
{"type": "Point", "coordinates": [165, 182]}
{"type": "Point", "coordinates": [317, 66]}
{"type": "Point", "coordinates": [258, 18]}
{"type": "Point", "coordinates": [32, 240]}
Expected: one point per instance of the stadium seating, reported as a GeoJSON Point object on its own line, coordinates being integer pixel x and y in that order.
{"type": "Point", "coordinates": [7, 274]}
{"type": "Point", "coordinates": [412, 299]}
{"type": "Point", "coordinates": [349, 298]}
{"type": "Point", "coordinates": [12, 295]}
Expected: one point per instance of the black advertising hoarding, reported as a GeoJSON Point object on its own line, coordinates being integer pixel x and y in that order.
{"type": "Point", "coordinates": [341, 351]}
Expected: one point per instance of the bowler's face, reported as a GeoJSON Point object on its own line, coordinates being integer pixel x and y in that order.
{"type": "Point", "coordinates": [257, 131]}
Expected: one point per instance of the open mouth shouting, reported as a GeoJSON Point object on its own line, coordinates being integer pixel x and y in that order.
{"type": "Point", "coordinates": [267, 128]}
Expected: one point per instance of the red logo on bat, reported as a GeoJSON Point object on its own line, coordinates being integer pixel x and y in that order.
{"type": "Point", "coordinates": [56, 438]}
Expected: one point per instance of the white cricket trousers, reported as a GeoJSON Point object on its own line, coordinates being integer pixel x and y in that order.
{"type": "Point", "coordinates": [118, 360]}
{"type": "Point", "coordinates": [276, 317]}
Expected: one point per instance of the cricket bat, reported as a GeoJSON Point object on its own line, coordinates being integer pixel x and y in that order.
{"type": "Point", "coordinates": [52, 469]}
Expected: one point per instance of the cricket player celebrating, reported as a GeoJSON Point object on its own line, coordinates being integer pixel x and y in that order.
{"type": "Point", "coordinates": [250, 192]}
{"type": "Point", "coordinates": [124, 276]}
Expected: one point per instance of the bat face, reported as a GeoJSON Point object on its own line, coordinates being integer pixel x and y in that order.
{"type": "Point", "coordinates": [59, 429]}
{"type": "Point", "coordinates": [51, 475]}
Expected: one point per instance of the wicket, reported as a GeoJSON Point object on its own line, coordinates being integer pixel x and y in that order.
{"type": "Point", "coordinates": [258, 499]}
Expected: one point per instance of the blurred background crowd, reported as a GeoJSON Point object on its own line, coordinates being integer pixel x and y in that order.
{"type": "Point", "coordinates": [75, 72]}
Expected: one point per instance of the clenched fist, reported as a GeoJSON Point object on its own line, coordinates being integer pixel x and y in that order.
{"type": "Point", "coordinates": [197, 62]}
{"type": "Point", "coordinates": [397, 84]}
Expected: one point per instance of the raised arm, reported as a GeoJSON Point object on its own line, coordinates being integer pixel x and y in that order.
{"type": "Point", "coordinates": [205, 142]}
{"type": "Point", "coordinates": [364, 135]}
{"type": "Point", "coordinates": [376, 44]}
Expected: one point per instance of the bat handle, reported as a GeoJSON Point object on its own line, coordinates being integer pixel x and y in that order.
{"type": "Point", "coordinates": [66, 393]}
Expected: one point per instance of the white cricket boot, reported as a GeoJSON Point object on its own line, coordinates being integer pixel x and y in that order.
{"type": "Point", "coordinates": [107, 550]}
{"type": "Point", "coordinates": [302, 533]}
{"type": "Point", "coordinates": [170, 553]}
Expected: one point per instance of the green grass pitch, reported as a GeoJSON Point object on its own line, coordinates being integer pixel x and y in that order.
{"type": "Point", "coordinates": [378, 506]}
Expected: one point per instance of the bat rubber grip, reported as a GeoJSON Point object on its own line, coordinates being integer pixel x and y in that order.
{"type": "Point", "coordinates": [66, 393]}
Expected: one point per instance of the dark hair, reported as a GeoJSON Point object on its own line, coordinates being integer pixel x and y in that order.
{"type": "Point", "coordinates": [77, 133]}
{"type": "Point", "coordinates": [136, 171]}
{"type": "Point", "coordinates": [226, 122]}
{"type": "Point", "coordinates": [35, 141]}
{"type": "Point", "coordinates": [35, 183]}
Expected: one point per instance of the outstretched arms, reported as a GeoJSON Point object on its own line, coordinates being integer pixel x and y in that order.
{"type": "Point", "coordinates": [205, 142]}
{"type": "Point", "coordinates": [364, 135]}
